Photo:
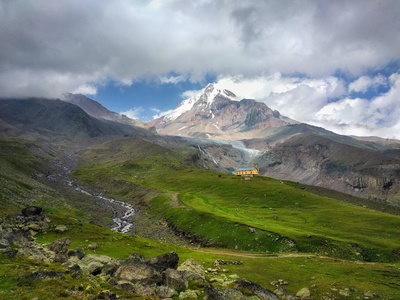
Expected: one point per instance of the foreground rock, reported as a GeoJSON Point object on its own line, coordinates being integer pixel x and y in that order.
{"type": "Point", "coordinates": [157, 276]}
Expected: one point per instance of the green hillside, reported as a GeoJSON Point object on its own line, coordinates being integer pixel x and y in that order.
{"type": "Point", "coordinates": [262, 214]}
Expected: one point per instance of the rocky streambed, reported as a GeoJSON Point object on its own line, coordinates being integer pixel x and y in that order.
{"type": "Point", "coordinates": [122, 212]}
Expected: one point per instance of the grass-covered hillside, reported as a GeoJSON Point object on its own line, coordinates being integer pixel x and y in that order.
{"type": "Point", "coordinates": [260, 215]}
{"type": "Point", "coordinates": [325, 277]}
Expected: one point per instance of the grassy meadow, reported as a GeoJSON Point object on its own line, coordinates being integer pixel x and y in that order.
{"type": "Point", "coordinates": [259, 215]}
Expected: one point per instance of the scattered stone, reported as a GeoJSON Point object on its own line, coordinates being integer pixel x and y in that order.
{"type": "Point", "coordinates": [213, 293]}
{"type": "Point", "coordinates": [4, 244]}
{"type": "Point", "coordinates": [175, 279]}
{"type": "Point", "coordinates": [303, 293]}
{"type": "Point", "coordinates": [61, 229]}
{"type": "Point", "coordinates": [44, 275]}
{"type": "Point", "coordinates": [192, 270]}
{"type": "Point", "coordinates": [60, 248]}
{"type": "Point", "coordinates": [107, 295]}
{"type": "Point", "coordinates": [281, 292]}
{"type": "Point", "coordinates": [75, 271]}
{"type": "Point", "coordinates": [165, 292]}
{"type": "Point", "coordinates": [78, 252]}
{"type": "Point", "coordinates": [189, 295]}
{"type": "Point", "coordinates": [344, 293]}
{"type": "Point", "coordinates": [251, 230]}
{"type": "Point", "coordinates": [369, 295]}
{"type": "Point", "coordinates": [256, 290]}
{"type": "Point", "coordinates": [35, 227]}
{"type": "Point", "coordinates": [164, 261]}
{"type": "Point", "coordinates": [31, 211]}
{"type": "Point", "coordinates": [10, 252]}
{"type": "Point", "coordinates": [92, 246]}
{"type": "Point", "coordinates": [135, 269]}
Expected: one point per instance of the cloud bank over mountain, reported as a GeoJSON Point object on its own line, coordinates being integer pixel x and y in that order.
{"type": "Point", "coordinates": [51, 47]}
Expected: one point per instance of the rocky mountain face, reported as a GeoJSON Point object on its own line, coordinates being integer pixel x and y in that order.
{"type": "Point", "coordinates": [354, 168]}
{"type": "Point", "coordinates": [217, 114]}
{"type": "Point", "coordinates": [98, 111]}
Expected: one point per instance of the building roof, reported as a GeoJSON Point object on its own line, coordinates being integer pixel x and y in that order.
{"type": "Point", "coordinates": [246, 169]}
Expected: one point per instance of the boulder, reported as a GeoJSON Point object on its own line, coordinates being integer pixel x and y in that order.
{"type": "Point", "coordinates": [4, 244]}
{"type": "Point", "coordinates": [281, 292]}
{"type": "Point", "coordinates": [35, 227]}
{"type": "Point", "coordinates": [107, 295]}
{"type": "Point", "coordinates": [44, 275]}
{"type": "Point", "coordinates": [256, 290]}
{"type": "Point", "coordinates": [135, 269]}
{"type": "Point", "coordinates": [213, 293]}
{"type": "Point", "coordinates": [95, 264]}
{"type": "Point", "coordinates": [189, 295]}
{"type": "Point", "coordinates": [75, 271]}
{"type": "Point", "coordinates": [303, 293]}
{"type": "Point", "coordinates": [61, 229]}
{"type": "Point", "coordinates": [31, 211]}
{"type": "Point", "coordinates": [192, 270]}
{"type": "Point", "coordinates": [175, 279]}
{"type": "Point", "coordinates": [165, 292]}
{"type": "Point", "coordinates": [164, 261]}
{"type": "Point", "coordinates": [92, 246]}
{"type": "Point", "coordinates": [78, 252]}
{"type": "Point", "coordinates": [60, 248]}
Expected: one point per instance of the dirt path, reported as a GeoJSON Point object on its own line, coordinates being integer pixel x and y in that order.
{"type": "Point", "coordinates": [255, 255]}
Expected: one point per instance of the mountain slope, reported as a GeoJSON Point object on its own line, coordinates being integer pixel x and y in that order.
{"type": "Point", "coordinates": [98, 111]}
{"type": "Point", "coordinates": [56, 118]}
{"type": "Point", "coordinates": [217, 114]}
{"type": "Point", "coordinates": [325, 161]}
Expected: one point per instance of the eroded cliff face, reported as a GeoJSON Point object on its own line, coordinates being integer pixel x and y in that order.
{"type": "Point", "coordinates": [327, 163]}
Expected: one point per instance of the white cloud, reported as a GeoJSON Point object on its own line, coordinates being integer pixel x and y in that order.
{"type": "Point", "coordinates": [86, 90]}
{"type": "Point", "coordinates": [379, 116]}
{"type": "Point", "coordinates": [363, 83]}
{"type": "Point", "coordinates": [133, 113]}
{"type": "Point", "coordinates": [296, 97]}
{"type": "Point", "coordinates": [172, 79]}
{"type": "Point", "coordinates": [86, 42]}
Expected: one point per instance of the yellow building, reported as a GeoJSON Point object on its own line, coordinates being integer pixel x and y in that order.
{"type": "Point", "coordinates": [247, 171]}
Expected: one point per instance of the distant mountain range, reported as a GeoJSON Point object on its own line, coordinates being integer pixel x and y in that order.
{"type": "Point", "coordinates": [227, 133]}
{"type": "Point", "coordinates": [362, 166]}
{"type": "Point", "coordinates": [52, 118]}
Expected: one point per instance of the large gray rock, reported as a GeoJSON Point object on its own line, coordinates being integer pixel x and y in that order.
{"type": "Point", "coordinates": [61, 229]}
{"type": "Point", "coordinates": [213, 293]}
{"type": "Point", "coordinates": [44, 275]}
{"type": "Point", "coordinates": [165, 292]}
{"type": "Point", "coordinates": [96, 264]}
{"type": "Point", "coordinates": [175, 279]}
{"type": "Point", "coordinates": [189, 295]}
{"type": "Point", "coordinates": [60, 248]}
{"type": "Point", "coordinates": [192, 270]}
{"type": "Point", "coordinates": [303, 293]}
{"type": "Point", "coordinates": [31, 211]}
{"type": "Point", "coordinates": [164, 261]}
{"type": "Point", "coordinates": [75, 271]}
{"type": "Point", "coordinates": [135, 269]}
{"type": "Point", "coordinates": [78, 252]}
{"type": "Point", "coordinates": [256, 290]}
{"type": "Point", "coordinates": [4, 244]}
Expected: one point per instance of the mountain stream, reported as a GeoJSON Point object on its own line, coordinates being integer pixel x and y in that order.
{"type": "Point", "coordinates": [122, 212]}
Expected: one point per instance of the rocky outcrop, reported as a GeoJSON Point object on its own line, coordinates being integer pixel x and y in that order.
{"type": "Point", "coordinates": [158, 276]}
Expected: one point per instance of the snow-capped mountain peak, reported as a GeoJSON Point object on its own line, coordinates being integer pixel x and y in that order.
{"type": "Point", "coordinates": [204, 98]}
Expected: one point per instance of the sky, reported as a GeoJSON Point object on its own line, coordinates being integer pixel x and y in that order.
{"type": "Point", "coordinates": [334, 64]}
